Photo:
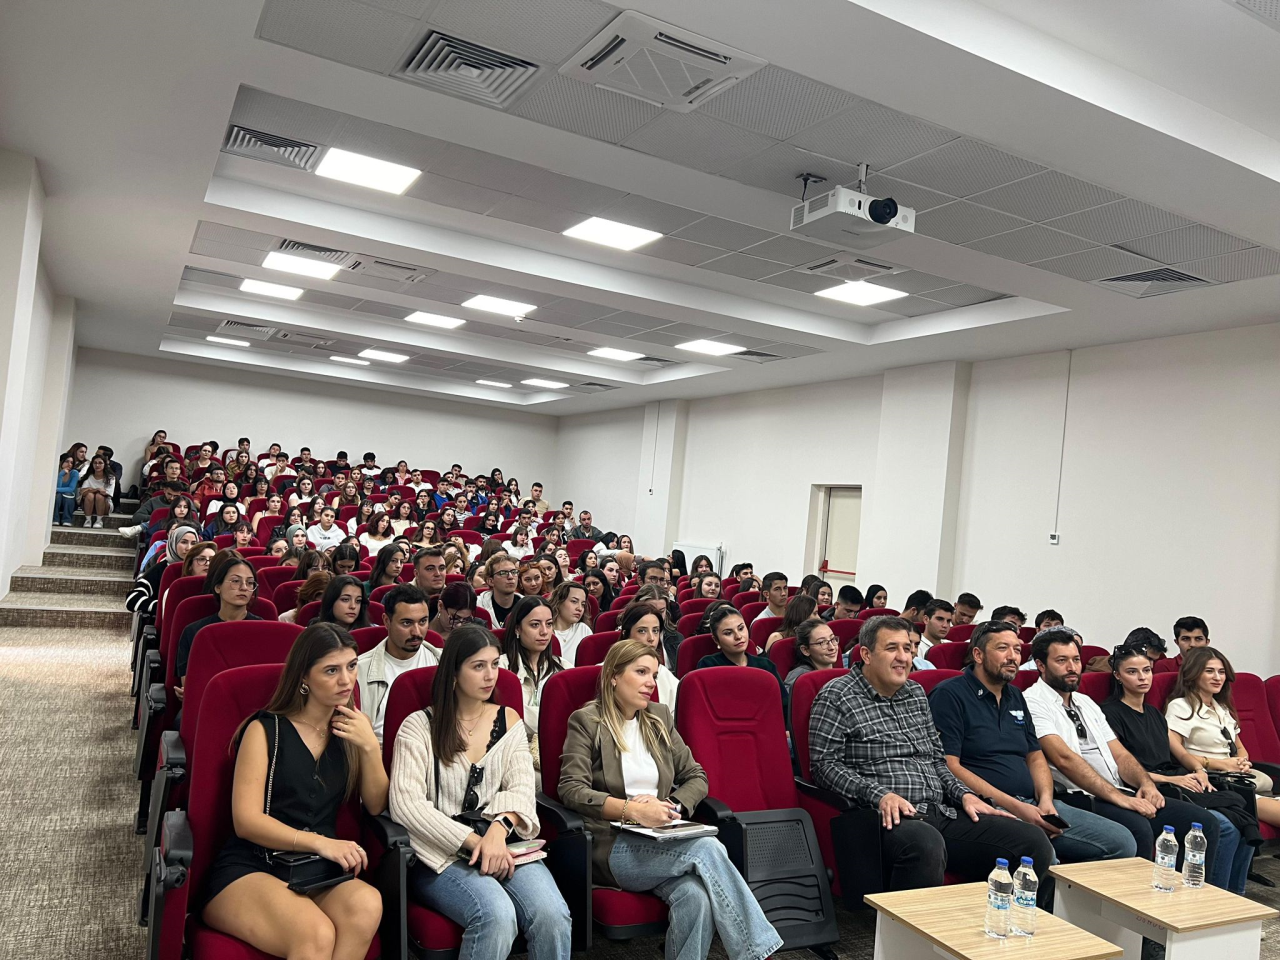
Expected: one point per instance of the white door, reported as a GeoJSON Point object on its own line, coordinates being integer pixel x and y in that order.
{"type": "Point", "coordinates": [840, 541]}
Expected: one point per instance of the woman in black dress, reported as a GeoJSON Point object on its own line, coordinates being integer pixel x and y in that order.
{"type": "Point", "coordinates": [324, 750]}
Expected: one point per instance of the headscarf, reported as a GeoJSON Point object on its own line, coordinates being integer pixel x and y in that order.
{"type": "Point", "coordinates": [171, 546]}
{"type": "Point", "coordinates": [288, 534]}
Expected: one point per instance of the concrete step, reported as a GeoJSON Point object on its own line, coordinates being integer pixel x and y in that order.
{"type": "Point", "coordinates": [21, 609]}
{"type": "Point", "coordinates": [90, 537]}
{"type": "Point", "coordinates": [71, 582]}
{"type": "Point", "coordinates": [90, 558]}
{"type": "Point", "coordinates": [112, 521]}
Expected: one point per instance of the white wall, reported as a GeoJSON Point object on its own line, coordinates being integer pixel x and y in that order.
{"type": "Point", "coordinates": [122, 399]}
{"type": "Point", "coordinates": [598, 467]}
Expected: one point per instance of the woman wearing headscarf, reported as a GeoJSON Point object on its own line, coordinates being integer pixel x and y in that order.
{"type": "Point", "coordinates": [146, 589]}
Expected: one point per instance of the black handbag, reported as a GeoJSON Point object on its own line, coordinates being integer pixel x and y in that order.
{"type": "Point", "coordinates": [303, 872]}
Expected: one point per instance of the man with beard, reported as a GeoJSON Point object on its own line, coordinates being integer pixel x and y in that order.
{"type": "Point", "coordinates": [990, 744]}
{"type": "Point", "coordinates": [405, 617]}
{"type": "Point", "coordinates": [1084, 753]}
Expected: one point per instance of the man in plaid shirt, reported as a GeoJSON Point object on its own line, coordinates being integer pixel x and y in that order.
{"type": "Point", "coordinates": [872, 740]}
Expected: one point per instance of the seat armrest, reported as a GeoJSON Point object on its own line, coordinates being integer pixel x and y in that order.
{"type": "Point", "coordinates": [1272, 770]}
{"type": "Point", "coordinates": [829, 797]}
{"type": "Point", "coordinates": [712, 811]}
{"type": "Point", "coordinates": [173, 752]}
{"type": "Point", "coordinates": [557, 815]}
{"type": "Point", "coordinates": [177, 847]}
{"type": "Point", "coordinates": [157, 699]}
{"type": "Point", "coordinates": [150, 634]}
{"type": "Point", "coordinates": [569, 860]}
{"type": "Point", "coordinates": [390, 834]}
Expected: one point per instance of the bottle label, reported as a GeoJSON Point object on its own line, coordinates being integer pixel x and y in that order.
{"type": "Point", "coordinates": [1166, 860]}
{"type": "Point", "coordinates": [1025, 899]}
{"type": "Point", "coordinates": [998, 900]}
{"type": "Point", "coordinates": [1195, 856]}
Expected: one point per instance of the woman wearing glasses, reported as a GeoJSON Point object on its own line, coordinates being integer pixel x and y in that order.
{"type": "Point", "coordinates": [817, 648]}
{"type": "Point", "coordinates": [462, 784]}
{"type": "Point", "coordinates": [235, 586]}
{"type": "Point", "coordinates": [455, 605]}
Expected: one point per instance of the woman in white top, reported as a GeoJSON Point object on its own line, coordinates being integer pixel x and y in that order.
{"type": "Point", "coordinates": [303, 492]}
{"type": "Point", "coordinates": [274, 507]}
{"type": "Point", "coordinates": [519, 545]}
{"type": "Point", "coordinates": [403, 518]}
{"type": "Point", "coordinates": [1202, 719]}
{"type": "Point", "coordinates": [364, 514]}
{"type": "Point", "coordinates": [462, 784]}
{"type": "Point", "coordinates": [568, 608]}
{"type": "Point", "coordinates": [97, 487]}
{"type": "Point", "coordinates": [526, 644]}
{"type": "Point", "coordinates": [640, 622]}
{"type": "Point", "coordinates": [380, 533]}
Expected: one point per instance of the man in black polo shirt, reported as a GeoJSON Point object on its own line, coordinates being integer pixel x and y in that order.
{"type": "Point", "coordinates": [991, 746]}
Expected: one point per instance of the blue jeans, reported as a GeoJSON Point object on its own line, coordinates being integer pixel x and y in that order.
{"type": "Point", "coordinates": [491, 912]}
{"type": "Point", "coordinates": [64, 508]}
{"type": "Point", "coordinates": [1231, 867]}
{"type": "Point", "coordinates": [704, 894]}
{"type": "Point", "coordinates": [1090, 837]}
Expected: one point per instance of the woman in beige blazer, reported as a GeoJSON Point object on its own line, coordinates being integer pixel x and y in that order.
{"type": "Point", "coordinates": [624, 761]}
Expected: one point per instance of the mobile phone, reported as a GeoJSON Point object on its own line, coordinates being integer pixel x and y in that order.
{"type": "Point", "coordinates": [676, 827]}
{"type": "Point", "coordinates": [1054, 821]}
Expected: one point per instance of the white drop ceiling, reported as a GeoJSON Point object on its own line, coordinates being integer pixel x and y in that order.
{"type": "Point", "coordinates": [1052, 212]}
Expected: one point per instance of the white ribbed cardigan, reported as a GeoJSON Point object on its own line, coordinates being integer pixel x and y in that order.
{"type": "Point", "coordinates": [507, 787]}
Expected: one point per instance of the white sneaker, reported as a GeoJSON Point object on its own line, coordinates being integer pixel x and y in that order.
{"type": "Point", "coordinates": [97, 523]}
{"type": "Point", "coordinates": [129, 532]}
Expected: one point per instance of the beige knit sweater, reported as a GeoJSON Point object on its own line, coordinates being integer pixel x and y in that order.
{"type": "Point", "coordinates": [507, 787]}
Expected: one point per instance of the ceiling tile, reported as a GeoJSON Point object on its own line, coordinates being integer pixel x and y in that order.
{"type": "Point", "coordinates": [226, 251]}
{"type": "Point", "coordinates": [778, 103]}
{"type": "Point", "coordinates": [788, 250]}
{"type": "Point", "coordinates": [382, 309]}
{"type": "Point", "coordinates": [1125, 219]}
{"type": "Point", "coordinates": [546, 30]}
{"type": "Point", "coordinates": [1097, 264]}
{"type": "Point", "coordinates": [586, 109]}
{"type": "Point", "coordinates": [962, 222]}
{"type": "Point", "coordinates": [751, 343]}
{"type": "Point", "coordinates": [1195, 242]}
{"type": "Point", "coordinates": [609, 328]}
{"type": "Point", "coordinates": [778, 167]}
{"type": "Point", "coordinates": [680, 251]}
{"type": "Point", "coordinates": [696, 140]}
{"type": "Point", "coordinates": [410, 8]}
{"type": "Point", "coordinates": [873, 134]}
{"type": "Point", "coordinates": [443, 278]}
{"type": "Point", "coordinates": [963, 295]}
{"type": "Point", "coordinates": [964, 167]}
{"type": "Point", "coordinates": [723, 233]}
{"type": "Point", "coordinates": [508, 292]}
{"type": "Point", "coordinates": [907, 194]}
{"type": "Point", "coordinates": [914, 307]}
{"type": "Point", "coordinates": [213, 278]}
{"type": "Point", "coordinates": [342, 30]}
{"type": "Point", "coordinates": [802, 282]}
{"type": "Point", "coordinates": [1029, 244]}
{"type": "Point", "coordinates": [650, 214]}
{"type": "Point", "coordinates": [269, 113]}
{"type": "Point", "coordinates": [1045, 196]}
{"type": "Point", "coordinates": [185, 322]}
{"type": "Point", "coordinates": [741, 265]}
{"type": "Point", "coordinates": [578, 309]}
{"type": "Point", "coordinates": [912, 281]}
{"type": "Point", "coordinates": [638, 320]}
{"type": "Point", "coordinates": [376, 283]}
{"type": "Point", "coordinates": [439, 293]}
{"type": "Point", "coordinates": [484, 169]}
{"type": "Point", "coordinates": [691, 331]}
{"type": "Point", "coordinates": [569, 192]}
{"type": "Point", "coordinates": [659, 337]}
{"type": "Point", "coordinates": [221, 233]}
{"type": "Point", "coordinates": [1244, 265]}
{"type": "Point", "coordinates": [535, 214]}
{"type": "Point", "coordinates": [455, 193]}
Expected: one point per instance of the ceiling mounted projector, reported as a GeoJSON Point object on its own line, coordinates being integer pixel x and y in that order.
{"type": "Point", "coordinates": [851, 219]}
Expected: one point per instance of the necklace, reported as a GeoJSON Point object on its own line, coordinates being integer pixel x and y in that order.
{"type": "Point", "coordinates": [323, 731]}
{"type": "Point", "coordinates": [462, 722]}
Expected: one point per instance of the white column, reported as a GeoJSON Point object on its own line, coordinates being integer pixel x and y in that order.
{"type": "Point", "coordinates": [909, 511]}
{"type": "Point", "coordinates": [55, 396]}
{"type": "Point", "coordinates": [658, 485]}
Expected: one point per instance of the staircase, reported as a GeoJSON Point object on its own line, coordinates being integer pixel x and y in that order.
{"type": "Point", "coordinates": [81, 582]}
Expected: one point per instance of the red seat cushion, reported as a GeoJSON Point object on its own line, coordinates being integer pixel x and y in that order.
{"type": "Point", "coordinates": [208, 944]}
{"type": "Point", "coordinates": [621, 908]}
{"type": "Point", "coordinates": [432, 930]}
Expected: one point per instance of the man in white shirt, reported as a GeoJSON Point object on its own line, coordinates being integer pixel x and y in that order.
{"type": "Point", "coordinates": [282, 468]}
{"type": "Point", "coordinates": [776, 594]}
{"type": "Point", "coordinates": [405, 616]}
{"type": "Point", "coordinates": [270, 458]}
{"type": "Point", "coordinates": [326, 533]}
{"type": "Point", "coordinates": [937, 621]}
{"type": "Point", "coordinates": [1085, 755]}
{"type": "Point", "coordinates": [500, 574]}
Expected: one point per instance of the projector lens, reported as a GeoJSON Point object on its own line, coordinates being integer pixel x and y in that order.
{"type": "Point", "coordinates": [883, 211]}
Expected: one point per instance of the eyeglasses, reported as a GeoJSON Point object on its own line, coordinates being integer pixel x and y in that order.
{"type": "Point", "coordinates": [1081, 732]}
{"type": "Point", "coordinates": [200, 561]}
{"type": "Point", "coordinates": [505, 573]}
{"type": "Point", "coordinates": [462, 616]}
{"type": "Point", "coordinates": [828, 642]}
{"type": "Point", "coordinates": [240, 582]}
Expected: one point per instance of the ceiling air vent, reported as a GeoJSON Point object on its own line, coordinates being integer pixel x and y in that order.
{"type": "Point", "coordinates": [252, 331]}
{"type": "Point", "coordinates": [303, 339]}
{"type": "Point", "coordinates": [388, 270]}
{"type": "Point", "coordinates": [591, 386]}
{"type": "Point", "coordinates": [660, 361]}
{"type": "Point", "coordinates": [848, 266]}
{"type": "Point", "coordinates": [312, 252]}
{"type": "Point", "coordinates": [659, 63]}
{"type": "Point", "coordinates": [1268, 11]}
{"type": "Point", "coordinates": [461, 68]}
{"type": "Point", "coordinates": [756, 356]}
{"type": "Point", "coordinates": [257, 145]}
{"type": "Point", "coordinates": [1153, 283]}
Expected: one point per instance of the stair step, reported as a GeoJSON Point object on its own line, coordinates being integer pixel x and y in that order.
{"type": "Point", "coordinates": [112, 521]}
{"type": "Point", "coordinates": [70, 582]}
{"type": "Point", "coordinates": [90, 537]}
{"type": "Point", "coordinates": [22, 609]}
{"type": "Point", "coordinates": [90, 558]}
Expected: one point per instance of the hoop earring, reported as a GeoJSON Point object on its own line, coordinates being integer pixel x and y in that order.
{"type": "Point", "coordinates": [305, 690]}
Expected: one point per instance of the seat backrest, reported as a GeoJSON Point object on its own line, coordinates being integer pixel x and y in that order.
{"type": "Point", "coordinates": [265, 525]}
{"type": "Point", "coordinates": [260, 562]}
{"type": "Point", "coordinates": [752, 610]}
{"type": "Point", "coordinates": [471, 537]}
{"type": "Point", "coordinates": [695, 605]}
{"type": "Point", "coordinates": [732, 722]}
{"type": "Point", "coordinates": [687, 625]}
{"type": "Point", "coordinates": [1024, 679]}
{"type": "Point", "coordinates": [1027, 634]}
{"type": "Point", "coordinates": [1095, 686]}
{"type": "Point", "coordinates": [620, 602]}
{"type": "Point", "coordinates": [197, 608]}
{"type": "Point", "coordinates": [730, 588]}
{"type": "Point", "coordinates": [179, 590]}
{"type": "Point", "coordinates": [742, 597]}
{"type": "Point", "coordinates": [803, 693]}
{"type": "Point", "coordinates": [870, 612]}
{"type": "Point", "coordinates": [285, 596]}
{"type": "Point", "coordinates": [1166, 665]}
{"type": "Point", "coordinates": [565, 692]}
{"type": "Point", "coordinates": [947, 656]}
{"type": "Point", "coordinates": [846, 631]}
{"type": "Point", "coordinates": [472, 522]}
{"type": "Point", "coordinates": [695, 648]}
{"type": "Point", "coordinates": [168, 576]}
{"type": "Point", "coordinates": [312, 610]}
{"type": "Point", "coordinates": [221, 646]}
{"type": "Point", "coordinates": [1026, 652]}
{"type": "Point", "coordinates": [593, 647]}
{"type": "Point", "coordinates": [379, 592]}
{"type": "Point", "coordinates": [929, 679]}
{"type": "Point", "coordinates": [783, 655]}
{"type": "Point", "coordinates": [961, 632]}
{"type": "Point", "coordinates": [269, 580]}
{"type": "Point", "coordinates": [607, 621]}
{"type": "Point", "coordinates": [412, 692]}
{"type": "Point", "coordinates": [1257, 732]}
{"type": "Point", "coordinates": [1088, 651]}
{"type": "Point", "coordinates": [761, 627]}
{"type": "Point", "coordinates": [684, 593]}
{"type": "Point", "coordinates": [1161, 687]}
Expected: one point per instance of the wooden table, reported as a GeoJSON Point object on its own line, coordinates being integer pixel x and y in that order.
{"type": "Point", "coordinates": [948, 922]}
{"type": "Point", "coordinates": [1115, 900]}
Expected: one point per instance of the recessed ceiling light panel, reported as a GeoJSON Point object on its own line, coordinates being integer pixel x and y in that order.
{"type": "Point", "coordinates": [508, 308]}
{"type": "Point", "coordinates": [228, 341]}
{"type": "Point", "coordinates": [352, 360]}
{"type": "Point", "coordinates": [612, 353]}
{"type": "Point", "coordinates": [308, 268]}
{"type": "Point", "coordinates": [366, 171]}
{"type": "Point", "coordinates": [860, 293]}
{"type": "Point", "coordinates": [435, 320]}
{"type": "Point", "coordinates": [494, 383]}
{"type": "Point", "coordinates": [384, 355]}
{"type": "Point", "coordinates": [711, 347]}
{"type": "Point", "coordinates": [548, 384]}
{"type": "Point", "coordinates": [611, 233]}
{"type": "Point", "coordinates": [271, 289]}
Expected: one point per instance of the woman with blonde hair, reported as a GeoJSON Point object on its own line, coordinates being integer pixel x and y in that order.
{"type": "Point", "coordinates": [624, 760]}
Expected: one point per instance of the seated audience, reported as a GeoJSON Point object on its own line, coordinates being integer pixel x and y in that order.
{"type": "Point", "coordinates": [848, 602]}
{"type": "Point", "coordinates": [381, 531]}
{"type": "Point", "coordinates": [429, 570]}
{"type": "Point", "coordinates": [968, 607]}
{"type": "Point", "coordinates": [640, 620]}
{"type": "Point", "coordinates": [405, 617]}
{"type": "Point", "coordinates": [386, 567]}
{"type": "Point", "coordinates": [235, 584]}
{"type": "Point", "coordinates": [913, 610]}
{"type": "Point", "coordinates": [729, 631]}
{"type": "Point", "coordinates": [452, 607]}
{"type": "Point", "coordinates": [146, 589]}
{"type": "Point", "coordinates": [344, 603]}
{"type": "Point", "coordinates": [820, 590]}
{"type": "Point", "coordinates": [876, 598]}
{"type": "Point", "coordinates": [326, 533]}
{"type": "Point", "coordinates": [775, 594]}
{"type": "Point", "coordinates": [701, 564]}
{"type": "Point", "coordinates": [500, 575]}
{"type": "Point", "coordinates": [799, 608]}
{"type": "Point", "coordinates": [705, 586]}
{"type": "Point", "coordinates": [66, 480]}
{"type": "Point", "coordinates": [937, 616]}
{"type": "Point", "coordinates": [344, 558]}
{"type": "Point", "coordinates": [1046, 619]}
{"type": "Point", "coordinates": [95, 492]}
{"type": "Point", "coordinates": [817, 648]}
{"type": "Point", "coordinates": [1188, 633]}
{"type": "Point", "coordinates": [1009, 615]}
{"type": "Point", "coordinates": [660, 602]}
{"type": "Point", "coordinates": [312, 589]}
{"type": "Point", "coordinates": [569, 609]}
{"type": "Point", "coordinates": [526, 645]}
{"type": "Point", "coordinates": [529, 580]}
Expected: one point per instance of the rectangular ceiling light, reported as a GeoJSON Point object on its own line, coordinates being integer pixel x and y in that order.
{"type": "Point", "coordinates": [308, 268]}
{"type": "Point", "coordinates": [228, 341]}
{"type": "Point", "coordinates": [358, 363]}
{"type": "Point", "coordinates": [549, 384]}
{"type": "Point", "coordinates": [508, 308]}
{"type": "Point", "coordinates": [623, 236]}
{"type": "Point", "coordinates": [612, 353]}
{"type": "Point", "coordinates": [435, 320]}
{"type": "Point", "coordinates": [384, 355]}
{"type": "Point", "coordinates": [366, 171]}
{"type": "Point", "coordinates": [493, 383]}
{"type": "Point", "coordinates": [272, 289]}
{"type": "Point", "coordinates": [861, 293]}
{"type": "Point", "coordinates": [711, 347]}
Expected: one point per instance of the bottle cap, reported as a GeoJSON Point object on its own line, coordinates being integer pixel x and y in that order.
{"type": "Point", "coordinates": [1196, 826]}
{"type": "Point", "coordinates": [1001, 862]}
{"type": "Point", "coordinates": [1168, 829]}
{"type": "Point", "coordinates": [1028, 861]}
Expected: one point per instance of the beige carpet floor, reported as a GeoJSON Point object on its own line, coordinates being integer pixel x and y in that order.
{"type": "Point", "coordinates": [70, 876]}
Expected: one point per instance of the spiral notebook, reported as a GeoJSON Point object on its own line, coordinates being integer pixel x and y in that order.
{"type": "Point", "coordinates": [676, 830]}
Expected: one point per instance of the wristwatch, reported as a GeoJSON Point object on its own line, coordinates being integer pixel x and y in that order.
{"type": "Point", "coordinates": [507, 824]}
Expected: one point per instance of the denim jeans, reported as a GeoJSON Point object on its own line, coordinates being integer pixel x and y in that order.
{"type": "Point", "coordinates": [704, 894]}
{"type": "Point", "coordinates": [1090, 837]}
{"type": "Point", "coordinates": [491, 912]}
{"type": "Point", "coordinates": [1231, 868]}
{"type": "Point", "coordinates": [64, 507]}
{"type": "Point", "coordinates": [1176, 813]}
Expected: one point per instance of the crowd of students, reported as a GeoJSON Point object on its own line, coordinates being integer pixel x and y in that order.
{"type": "Point", "coordinates": [975, 770]}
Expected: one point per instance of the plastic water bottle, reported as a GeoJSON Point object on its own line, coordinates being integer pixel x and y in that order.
{"type": "Point", "coordinates": [999, 893]}
{"type": "Point", "coordinates": [1193, 860]}
{"type": "Point", "coordinates": [1163, 874]}
{"type": "Point", "coordinates": [1022, 918]}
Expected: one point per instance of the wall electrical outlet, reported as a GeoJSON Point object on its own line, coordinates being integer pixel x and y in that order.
{"type": "Point", "coordinates": [1053, 540]}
